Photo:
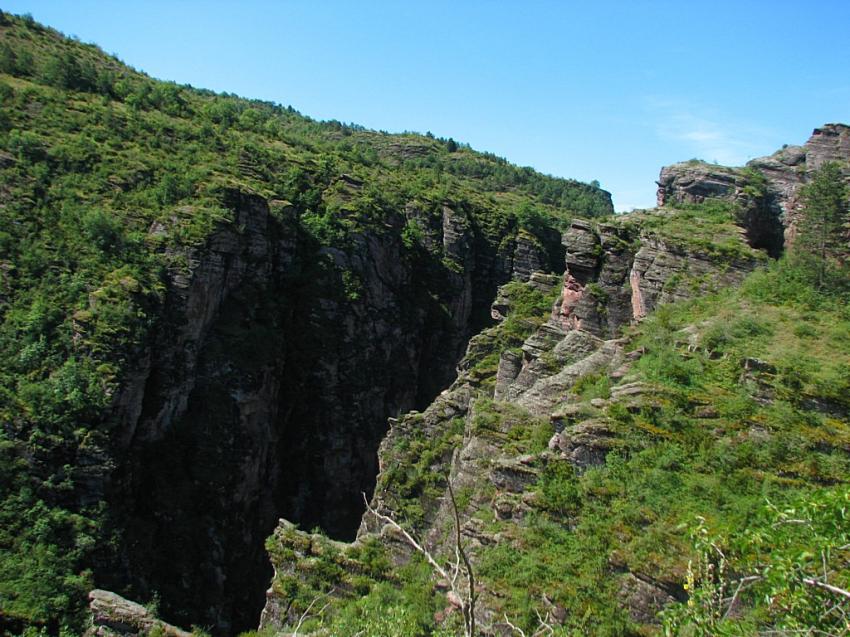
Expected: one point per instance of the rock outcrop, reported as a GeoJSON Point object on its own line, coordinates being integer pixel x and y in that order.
{"type": "Point", "coordinates": [765, 205]}
{"type": "Point", "coordinates": [615, 274]}
{"type": "Point", "coordinates": [695, 181]}
{"type": "Point", "coordinates": [114, 616]}
{"type": "Point", "coordinates": [283, 366]}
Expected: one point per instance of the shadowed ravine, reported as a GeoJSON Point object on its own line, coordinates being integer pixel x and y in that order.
{"type": "Point", "coordinates": [267, 394]}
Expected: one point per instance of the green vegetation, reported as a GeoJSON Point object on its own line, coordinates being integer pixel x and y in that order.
{"type": "Point", "coordinates": [745, 426]}
{"type": "Point", "coordinates": [352, 589]}
{"type": "Point", "coordinates": [755, 183]}
{"type": "Point", "coordinates": [592, 386]}
{"type": "Point", "coordinates": [735, 464]}
{"type": "Point", "coordinates": [512, 427]}
{"type": "Point", "coordinates": [824, 229]}
{"type": "Point", "coordinates": [785, 570]}
{"type": "Point", "coordinates": [528, 308]}
{"type": "Point", "coordinates": [108, 181]}
{"type": "Point", "coordinates": [710, 228]}
{"type": "Point", "coordinates": [748, 425]}
{"type": "Point", "coordinates": [416, 481]}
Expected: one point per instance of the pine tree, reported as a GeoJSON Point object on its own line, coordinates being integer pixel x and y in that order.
{"type": "Point", "coordinates": [822, 237]}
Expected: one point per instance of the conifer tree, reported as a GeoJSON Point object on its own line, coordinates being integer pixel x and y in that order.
{"type": "Point", "coordinates": [822, 239]}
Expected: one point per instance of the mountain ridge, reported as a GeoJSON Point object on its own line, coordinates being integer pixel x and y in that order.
{"type": "Point", "coordinates": [508, 459]}
{"type": "Point", "coordinates": [217, 313]}
{"type": "Point", "coordinates": [179, 266]}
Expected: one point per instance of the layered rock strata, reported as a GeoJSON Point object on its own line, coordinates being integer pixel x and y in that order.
{"type": "Point", "coordinates": [114, 616]}
{"type": "Point", "coordinates": [615, 274]}
{"type": "Point", "coordinates": [784, 172]}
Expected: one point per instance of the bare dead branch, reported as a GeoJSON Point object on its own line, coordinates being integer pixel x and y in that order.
{"type": "Point", "coordinates": [827, 587]}
{"type": "Point", "coordinates": [545, 626]}
{"type": "Point", "coordinates": [514, 628]}
{"type": "Point", "coordinates": [741, 583]}
{"type": "Point", "coordinates": [467, 600]}
{"type": "Point", "coordinates": [469, 615]}
{"type": "Point", "coordinates": [719, 552]}
{"type": "Point", "coordinates": [306, 614]}
{"type": "Point", "coordinates": [792, 521]}
{"type": "Point", "coordinates": [456, 566]}
{"type": "Point", "coordinates": [410, 540]}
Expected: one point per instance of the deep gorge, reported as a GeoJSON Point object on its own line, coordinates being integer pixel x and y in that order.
{"type": "Point", "coordinates": [268, 385]}
{"type": "Point", "coordinates": [222, 323]}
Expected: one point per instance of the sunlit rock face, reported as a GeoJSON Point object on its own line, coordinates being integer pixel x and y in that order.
{"type": "Point", "coordinates": [614, 274]}
{"type": "Point", "coordinates": [770, 215]}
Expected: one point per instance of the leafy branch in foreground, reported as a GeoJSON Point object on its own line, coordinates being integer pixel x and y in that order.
{"type": "Point", "coordinates": [796, 560]}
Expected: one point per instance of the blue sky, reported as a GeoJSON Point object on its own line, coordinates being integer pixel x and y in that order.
{"type": "Point", "coordinates": [590, 90]}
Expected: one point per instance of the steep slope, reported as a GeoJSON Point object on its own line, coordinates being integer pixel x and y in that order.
{"type": "Point", "coordinates": [579, 458]}
{"type": "Point", "coordinates": [210, 307]}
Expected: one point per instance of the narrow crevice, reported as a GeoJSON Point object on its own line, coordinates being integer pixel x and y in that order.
{"type": "Point", "coordinates": [276, 402]}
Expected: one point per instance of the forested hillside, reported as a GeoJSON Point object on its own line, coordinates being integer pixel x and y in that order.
{"type": "Point", "coordinates": [261, 372]}
{"type": "Point", "coordinates": [111, 184]}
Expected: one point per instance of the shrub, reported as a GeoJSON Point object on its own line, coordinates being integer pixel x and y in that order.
{"type": "Point", "coordinates": [558, 488]}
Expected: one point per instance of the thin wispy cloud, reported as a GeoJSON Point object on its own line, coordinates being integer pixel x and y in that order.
{"type": "Point", "coordinates": [706, 134]}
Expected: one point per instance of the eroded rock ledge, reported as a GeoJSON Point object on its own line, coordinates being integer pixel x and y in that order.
{"type": "Point", "coordinates": [615, 273]}
{"type": "Point", "coordinates": [114, 616]}
{"type": "Point", "coordinates": [778, 198]}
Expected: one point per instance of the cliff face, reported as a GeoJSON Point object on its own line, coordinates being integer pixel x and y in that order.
{"type": "Point", "coordinates": [294, 362]}
{"type": "Point", "coordinates": [549, 406]}
{"type": "Point", "coordinates": [268, 387]}
{"type": "Point", "coordinates": [196, 451]}
{"type": "Point", "coordinates": [615, 273]}
{"type": "Point", "coordinates": [213, 312]}
{"type": "Point", "coordinates": [209, 307]}
{"type": "Point", "coordinates": [784, 172]}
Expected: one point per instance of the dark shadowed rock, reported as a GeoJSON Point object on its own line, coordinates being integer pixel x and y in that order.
{"type": "Point", "coordinates": [643, 598]}
{"type": "Point", "coordinates": [616, 273]}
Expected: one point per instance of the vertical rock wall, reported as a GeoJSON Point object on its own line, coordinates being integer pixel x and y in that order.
{"type": "Point", "coordinates": [615, 273]}
{"type": "Point", "coordinates": [267, 391]}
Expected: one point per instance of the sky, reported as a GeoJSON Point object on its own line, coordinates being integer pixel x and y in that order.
{"type": "Point", "coordinates": [586, 90]}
